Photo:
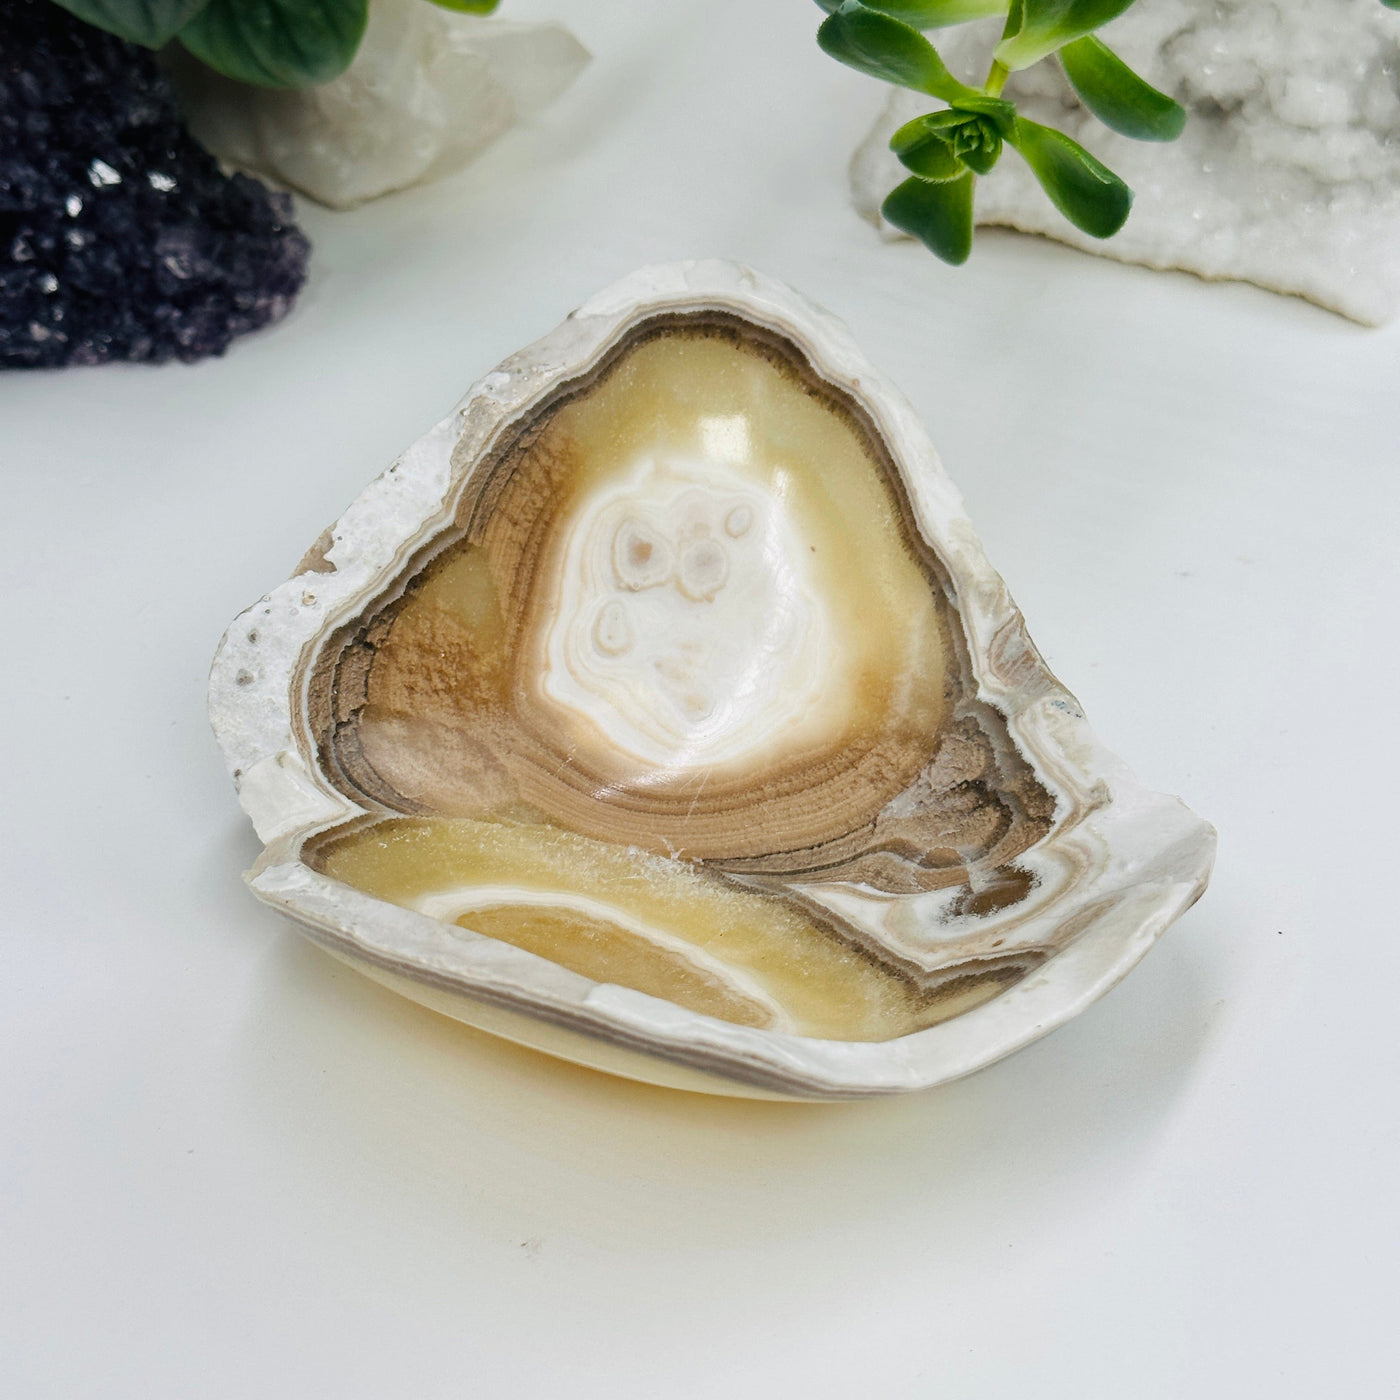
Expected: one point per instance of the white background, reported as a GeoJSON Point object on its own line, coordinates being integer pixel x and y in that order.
{"type": "Point", "coordinates": [233, 1168]}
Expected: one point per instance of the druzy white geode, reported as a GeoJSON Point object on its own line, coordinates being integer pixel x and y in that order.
{"type": "Point", "coordinates": [660, 709]}
{"type": "Point", "coordinates": [1288, 172]}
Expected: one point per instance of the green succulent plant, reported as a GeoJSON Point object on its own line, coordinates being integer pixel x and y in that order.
{"type": "Point", "coordinates": [272, 43]}
{"type": "Point", "coordinates": [946, 150]}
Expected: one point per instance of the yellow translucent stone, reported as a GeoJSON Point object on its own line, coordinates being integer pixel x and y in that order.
{"type": "Point", "coordinates": [659, 926]}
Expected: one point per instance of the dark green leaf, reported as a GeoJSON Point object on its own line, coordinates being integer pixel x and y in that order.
{"type": "Point", "coordinates": [1036, 28]}
{"type": "Point", "coordinates": [982, 155]}
{"type": "Point", "coordinates": [932, 129]}
{"type": "Point", "coordinates": [277, 43]}
{"type": "Point", "coordinates": [938, 214]}
{"type": "Point", "coordinates": [468, 7]}
{"type": "Point", "coordinates": [926, 125]}
{"type": "Point", "coordinates": [931, 14]}
{"type": "Point", "coordinates": [1085, 191]}
{"type": "Point", "coordinates": [1117, 96]}
{"type": "Point", "coordinates": [152, 23]}
{"type": "Point", "coordinates": [931, 158]}
{"type": "Point", "coordinates": [889, 50]}
{"type": "Point", "coordinates": [926, 144]}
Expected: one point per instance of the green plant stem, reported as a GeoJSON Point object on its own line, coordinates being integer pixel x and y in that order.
{"type": "Point", "coordinates": [999, 72]}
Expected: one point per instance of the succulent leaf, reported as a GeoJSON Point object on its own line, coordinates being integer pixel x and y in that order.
{"type": "Point", "coordinates": [278, 43]}
{"type": "Point", "coordinates": [150, 23]}
{"type": "Point", "coordinates": [1117, 96]}
{"type": "Point", "coordinates": [1084, 190]}
{"type": "Point", "coordinates": [937, 213]}
{"type": "Point", "coordinates": [940, 145]}
{"type": "Point", "coordinates": [1036, 28]}
{"type": "Point", "coordinates": [888, 49]}
{"type": "Point", "coordinates": [930, 14]}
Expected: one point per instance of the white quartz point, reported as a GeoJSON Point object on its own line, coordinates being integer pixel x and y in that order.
{"type": "Point", "coordinates": [1287, 175]}
{"type": "Point", "coordinates": [428, 91]}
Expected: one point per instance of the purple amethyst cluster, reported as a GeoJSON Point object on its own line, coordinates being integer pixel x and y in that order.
{"type": "Point", "coordinates": [120, 237]}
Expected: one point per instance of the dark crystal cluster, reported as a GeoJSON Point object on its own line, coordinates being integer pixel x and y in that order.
{"type": "Point", "coordinates": [120, 238]}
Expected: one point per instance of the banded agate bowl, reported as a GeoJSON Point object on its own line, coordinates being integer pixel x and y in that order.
{"type": "Point", "coordinates": [659, 710]}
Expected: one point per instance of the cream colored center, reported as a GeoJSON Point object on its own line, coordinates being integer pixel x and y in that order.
{"type": "Point", "coordinates": [688, 624]}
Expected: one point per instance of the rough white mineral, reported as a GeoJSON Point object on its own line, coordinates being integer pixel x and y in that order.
{"type": "Point", "coordinates": [1288, 173]}
{"type": "Point", "coordinates": [428, 91]}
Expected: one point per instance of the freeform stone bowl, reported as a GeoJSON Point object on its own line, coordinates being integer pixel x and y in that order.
{"type": "Point", "coordinates": [660, 710]}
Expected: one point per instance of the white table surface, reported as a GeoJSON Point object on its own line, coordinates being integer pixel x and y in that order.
{"type": "Point", "coordinates": [233, 1168]}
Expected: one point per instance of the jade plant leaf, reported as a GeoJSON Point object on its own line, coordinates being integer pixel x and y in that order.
{"type": "Point", "coordinates": [979, 146]}
{"type": "Point", "coordinates": [1085, 191]}
{"type": "Point", "coordinates": [1117, 96]}
{"type": "Point", "coordinates": [937, 213]}
{"type": "Point", "coordinates": [278, 43]}
{"type": "Point", "coordinates": [151, 23]}
{"type": "Point", "coordinates": [1036, 28]}
{"type": "Point", "coordinates": [468, 7]}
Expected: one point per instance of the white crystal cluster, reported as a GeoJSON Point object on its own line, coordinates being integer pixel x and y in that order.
{"type": "Point", "coordinates": [1288, 173]}
{"type": "Point", "coordinates": [428, 91]}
